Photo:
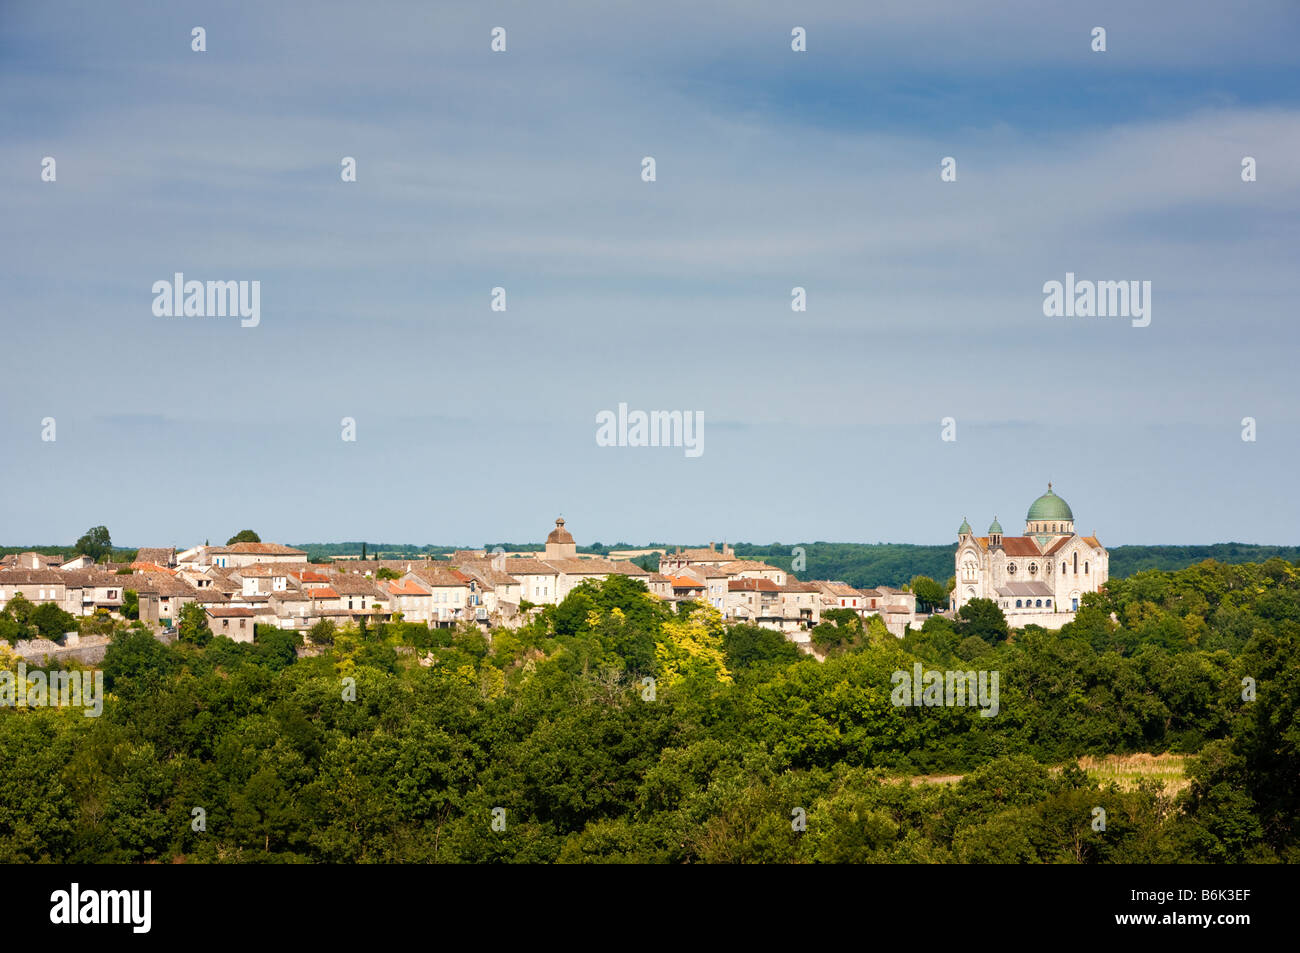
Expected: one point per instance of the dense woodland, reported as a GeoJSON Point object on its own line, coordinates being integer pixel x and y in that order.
{"type": "Point", "coordinates": [894, 564]}
{"type": "Point", "coordinates": [554, 724]}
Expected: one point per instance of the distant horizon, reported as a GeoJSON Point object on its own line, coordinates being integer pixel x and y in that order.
{"type": "Point", "coordinates": [620, 544]}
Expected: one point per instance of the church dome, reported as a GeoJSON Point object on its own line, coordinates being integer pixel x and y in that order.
{"type": "Point", "coordinates": [560, 534]}
{"type": "Point", "coordinates": [1049, 506]}
{"type": "Point", "coordinates": [996, 528]}
{"type": "Point", "coordinates": [965, 529]}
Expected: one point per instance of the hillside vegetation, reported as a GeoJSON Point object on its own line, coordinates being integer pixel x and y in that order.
{"type": "Point", "coordinates": [549, 744]}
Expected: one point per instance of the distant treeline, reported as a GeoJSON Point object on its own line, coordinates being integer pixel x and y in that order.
{"type": "Point", "coordinates": [119, 554]}
{"type": "Point", "coordinates": [863, 564]}
{"type": "Point", "coordinates": [894, 564]}
{"type": "Point", "coordinates": [401, 550]}
{"type": "Point", "coordinates": [858, 564]}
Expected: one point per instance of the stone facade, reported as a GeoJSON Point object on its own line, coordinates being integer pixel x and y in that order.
{"type": "Point", "coordinates": [1038, 578]}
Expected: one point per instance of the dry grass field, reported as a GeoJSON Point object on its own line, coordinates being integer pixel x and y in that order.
{"type": "Point", "coordinates": [1126, 770]}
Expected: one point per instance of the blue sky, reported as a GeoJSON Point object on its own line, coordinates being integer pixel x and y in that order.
{"type": "Point", "coordinates": [521, 170]}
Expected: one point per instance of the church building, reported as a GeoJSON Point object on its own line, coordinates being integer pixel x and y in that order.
{"type": "Point", "coordinates": [1038, 578]}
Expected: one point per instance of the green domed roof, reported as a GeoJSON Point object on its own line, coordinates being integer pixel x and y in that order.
{"type": "Point", "coordinates": [1049, 506]}
{"type": "Point", "coordinates": [996, 528]}
{"type": "Point", "coordinates": [965, 528]}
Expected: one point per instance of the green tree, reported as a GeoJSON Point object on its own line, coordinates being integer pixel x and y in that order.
{"type": "Point", "coordinates": [52, 622]}
{"type": "Point", "coordinates": [130, 604]}
{"type": "Point", "coordinates": [136, 659]}
{"type": "Point", "coordinates": [928, 593]}
{"type": "Point", "coordinates": [95, 543]}
{"type": "Point", "coordinates": [983, 618]}
{"type": "Point", "coordinates": [322, 633]}
{"type": "Point", "coordinates": [193, 625]}
{"type": "Point", "coordinates": [751, 645]}
{"type": "Point", "coordinates": [244, 536]}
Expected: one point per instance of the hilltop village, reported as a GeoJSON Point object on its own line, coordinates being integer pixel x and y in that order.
{"type": "Point", "coordinates": [247, 584]}
{"type": "Point", "coordinates": [1037, 578]}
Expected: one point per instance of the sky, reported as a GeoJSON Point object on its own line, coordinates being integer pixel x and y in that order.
{"type": "Point", "coordinates": [522, 169]}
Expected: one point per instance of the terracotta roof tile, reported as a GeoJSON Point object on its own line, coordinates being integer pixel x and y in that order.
{"type": "Point", "coordinates": [257, 549]}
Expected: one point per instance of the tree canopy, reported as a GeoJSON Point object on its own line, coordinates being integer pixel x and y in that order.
{"type": "Point", "coordinates": [609, 728]}
{"type": "Point", "coordinates": [95, 543]}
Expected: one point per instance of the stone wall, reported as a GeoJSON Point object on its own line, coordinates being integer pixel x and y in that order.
{"type": "Point", "coordinates": [89, 650]}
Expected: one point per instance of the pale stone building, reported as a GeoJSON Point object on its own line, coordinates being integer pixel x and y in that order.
{"type": "Point", "coordinates": [1038, 578]}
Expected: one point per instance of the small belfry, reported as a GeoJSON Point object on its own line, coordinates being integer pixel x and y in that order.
{"type": "Point", "coordinates": [1038, 578]}
{"type": "Point", "coordinates": [560, 543]}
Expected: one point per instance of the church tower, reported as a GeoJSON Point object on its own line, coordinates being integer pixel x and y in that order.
{"type": "Point", "coordinates": [560, 544]}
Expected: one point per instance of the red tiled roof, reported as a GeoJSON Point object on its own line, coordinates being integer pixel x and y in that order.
{"type": "Point", "coordinates": [151, 567]}
{"type": "Point", "coordinates": [440, 577]}
{"type": "Point", "coordinates": [259, 549]}
{"type": "Point", "coordinates": [1015, 545]}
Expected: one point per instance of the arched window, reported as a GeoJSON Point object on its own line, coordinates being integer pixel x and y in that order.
{"type": "Point", "coordinates": [1038, 603]}
{"type": "Point", "coordinates": [1049, 603]}
{"type": "Point", "coordinates": [1076, 564]}
{"type": "Point", "coordinates": [1085, 569]}
{"type": "Point", "coordinates": [1017, 603]}
{"type": "Point", "coordinates": [1062, 567]}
